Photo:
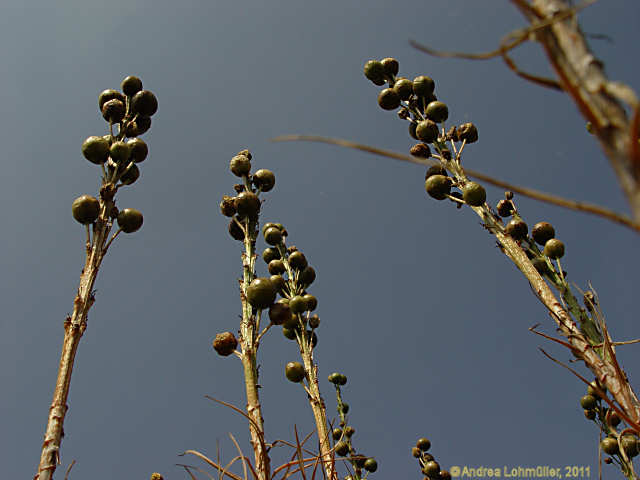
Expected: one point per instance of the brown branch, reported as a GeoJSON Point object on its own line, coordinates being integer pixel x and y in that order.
{"type": "Point", "coordinates": [527, 192]}
{"type": "Point", "coordinates": [215, 465]}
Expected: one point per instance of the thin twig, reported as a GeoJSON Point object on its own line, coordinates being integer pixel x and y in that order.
{"type": "Point", "coordinates": [527, 192]}
{"type": "Point", "coordinates": [66, 475]}
{"type": "Point", "coordinates": [212, 463]}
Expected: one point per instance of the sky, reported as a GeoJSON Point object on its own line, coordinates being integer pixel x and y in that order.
{"type": "Point", "coordinates": [419, 309]}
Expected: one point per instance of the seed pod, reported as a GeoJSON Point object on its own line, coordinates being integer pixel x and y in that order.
{"type": "Point", "coordinates": [423, 86]}
{"type": "Point", "coordinates": [590, 414]}
{"type": "Point", "coordinates": [427, 131]}
{"type": "Point", "coordinates": [278, 282]}
{"type": "Point", "coordinates": [388, 99]}
{"type": "Point", "coordinates": [474, 194]}
{"type": "Point", "coordinates": [390, 66]}
{"type": "Point", "coordinates": [225, 343]}
{"type": "Point", "coordinates": [431, 469]}
{"type": "Point", "coordinates": [298, 304]}
{"type": "Point", "coordinates": [227, 206]}
{"type": "Point", "coordinates": [131, 175]}
{"type": "Point", "coordinates": [278, 313]}
{"type": "Point", "coordinates": [270, 254]}
{"type": "Point", "coordinates": [311, 301]}
{"type": "Point", "coordinates": [423, 444]}
{"type": "Point", "coordinates": [113, 111]}
{"type": "Point", "coordinates": [307, 276]}
{"type": "Point", "coordinates": [554, 248]}
{"type": "Point", "coordinates": [435, 170]}
{"type": "Point", "coordinates": [404, 88]}
{"type": "Point", "coordinates": [374, 71]}
{"type": "Point", "coordinates": [261, 293]}
{"type": "Point", "coordinates": [542, 232]}
{"type": "Point", "coordinates": [130, 220]}
{"type": "Point", "coordinates": [119, 152]}
{"type": "Point", "coordinates": [138, 150]}
{"type": "Point", "coordinates": [334, 378]}
{"type": "Point", "coordinates": [294, 372]}
{"type": "Point", "coordinates": [437, 111]}
{"type": "Point", "coordinates": [341, 448]}
{"type": "Point", "coordinates": [630, 445]}
{"type": "Point", "coordinates": [137, 127]}
{"type": "Point", "coordinates": [273, 236]}
{"type": "Point", "coordinates": [144, 103]}
{"type": "Point", "coordinates": [264, 179]}
{"type": "Point", "coordinates": [247, 205]}
{"type": "Point", "coordinates": [613, 419]}
{"type": "Point", "coordinates": [517, 229]}
{"type": "Point", "coordinates": [609, 445]}
{"type": "Point", "coordinates": [276, 267]}
{"type": "Point", "coordinates": [297, 260]}
{"type": "Point", "coordinates": [109, 94]}
{"type": "Point", "coordinates": [415, 452]}
{"type": "Point", "coordinates": [131, 85]}
{"type": "Point", "coordinates": [156, 476]}
{"type": "Point", "coordinates": [588, 402]}
{"type": "Point", "coordinates": [314, 321]}
{"type": "Point", "coordinates": [235, 230]}
{"type": "Point", "coordinates": [336, 433]}
{"type": "Point", "coordinates": [349, 431]}
{"type": "Point", "coordinates": [505, 209]}
{"type": "Point", "coordinates": [468, 132]}
{"type": "Point", "coordinates": [240, 165]}
{"type": "Point", "coordinates": [592, 391]}
{"type": "Point", "coordinates": [289, 333]}
{"type": "Point", "coordinates": [438, 186]}
{"type": "Point", "coordinates": [85, 209]}
{"type": "Point", "coordinates": [420, 150]}
{"type": "Point", "coordinates": [96, 149]}
{"type": "Point", "coordinates": [444, 475]}
{"type": "Point", "coordinates": [370, 465]}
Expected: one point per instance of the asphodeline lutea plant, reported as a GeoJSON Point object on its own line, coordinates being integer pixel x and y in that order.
{"type": "Point", "coordinates": [290, 278]}
{"type": "Point", "coordinates": [427, 462]}
{"type": "Point", "coordinates": [361, 465]}
{"type": "Point", "coordinates": [535, 253]}
{"type": "Point", "coordinates": [119, 154]}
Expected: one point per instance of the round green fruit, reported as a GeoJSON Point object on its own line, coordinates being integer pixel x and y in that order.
{"type": "Point", "coordinates": [273, 236]}
{"type": "Point", "coordinates": [388, 99]}
{"type": "Point", "coordinates": [374, 71]}
{"type": "Point", "coordinates": [276, 267]}
{"type": "Point", "coordinates": [588, 402]}
{"type": "Point", "coordinates": [240, 165]}
{"type": "Point", "coordinates": [438, 186]}
{"type": "Point", "coordinates": [131, 175]}
{"type": "Point", "coordinates": [517, 229]}
{"type": "Point", "coordinates": [423, 86]}
{"type": "Point", "coordinates": [423, 444]}
{"type": "Point", "coordinates": [109, 94]}
{"type": "Point", "coordinates": [130, 220]}
{"type": "Point", "coordinates": [542, 232]}
{"type": "Point", "coordinates": [85, 209]}
{"type": "Point", "coordinates": [437, 111]}
{"type": "Point", "coordinates": [431, 469]}
{"type": "Point", "coordinates": [427, 131]}
{"type": "Point", "coordinates": [609, 445]}
{"type": "Point", "coordinates": [468, 132]}
{"type": "Point", "coordinates": [120, 152]}
{"type": "Point", "coordinates": [270, 254]}
{"type": "Point", "coordinates": [554, 248]}
{"type": "Point", "coordinates": [294, 372]}
{"type": "Point", "coordinates": [247, 205]}
{"type": "Point", "coordinates": [113, 111]}
{"type": "Point", "coordinates": [311, 301]}
{"type": "Point", "coordinates": [261, 293]}
{"type": "Point", "coordinates": [278, 313]}
{"type": "Point", "coordinates": [144, 103]}
{"type": "Point", "coordinates": [96, 149]}
{"type": "Point", "coordinates": [404, 88]}
{"type": "Point", "coordinates": [298, 304]}
{"type": "Point", "coordinates": [139, 150]}
{"type": "Point", "coordinates": [390, 66]}
{"type": "Point", "coordinates": [225, 343]}
{"type": "Point", "coordinates": [264, 179]}
{"type": "Point", "coordinates": [342, 448]}
{"type": "Point", "coordinates": [307, 276]}
{"type": "Point", "coordinates": [336, 433]}
{"type": "Point", "coordinates": [131, 85]}
{"type": "Point", "coordinates": [297, 260]}
{"type": "Point", "coordinates": [370, 465]}
{"type": "Point", "coordinates": [474, 194]}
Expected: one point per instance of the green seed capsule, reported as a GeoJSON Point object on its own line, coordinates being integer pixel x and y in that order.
{"type": "Point", "coordinates": [96, 149]}
{"type": "Point", "coordinates": [109, 94]}
{"type": "Point", "coordinates": [431, 469]}
{"type": "Point", "coordinates": [131, 85]}
{"type": "Point", "coordinates": [270, 254]}
{"type": "Point", "coordinates": [294, 372]}
{"type": "Point", "coordinates": [247, 205]}
{"type": "Point", "coordinates": [130, 220]}
{"type": "Point", "coordinates": [276, 267]}
{"type": "Point", "coordinates": [265, 179]}
{"type": "Point", "coordinates": [85, 209]}
{"type": "Point", "coordinates": [370, 465]}
{"type": "Point", "coordinates": [388, 99]}
{"type": "Point", "coordinates": [225, 343]}
{"type": "Point", "coordinates": [336, 433]}
{"type": "Point", "coordinates": [468, 132]}
{"type": "Point", "coordinates": [120, 152]}
{"type": "Point", "coordinates": [427, 131]}
{"type": "Point", "coordinates": [131, 175]}
{"type": "Point", "coordinates": [261, 293]}
{"type": "Point", "coordinates": [391, 67]}
{"type": "Point", "coordinates": [542, 232]}
{"type": "Point", "coordinates": [144, 103]}
{"type": "Point", "coordinates": [273, 236]}
{"type": "Point", "coordinates": [474, 194]}
{"type": "Point", "coordinates": [517, 229]}
{"type": "Point", "coordinates": [342, 448]}
{"type": "Point", "coordinates": [311, 301]}
{"type": "Point", "coordinates": [423, 86]}
{"type": "Point", "coordinates": [438, 186]}
{"type": "Point", "coordinates": [297, 260]}
{"type": "Point", "coordinates": [374, 71]}
{"type": "Point", "coordinates": [404, 88]}
{"type": "Point", "coordinates": [609, 445]}
{"type": "Point", "coordinates": [588, 402]}
{"type": "Point", "coordinates": [554, 248]}
{"type": "Point", "coordinates": [298, 304]}
{"type": "Point", "coordinates": [138, 150]}
{"type": "Point", "coordinates": [278, 313]}
{"type": "Point", "coordinates": [113, 111]}
{"type": "Point", "coordinates": [437, 111]}
{"type": "Point", "coordinates": [240, 165]}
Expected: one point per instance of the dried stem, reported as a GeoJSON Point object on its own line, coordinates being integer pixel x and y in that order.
{"type": "Point", "coordinates": [527, 192]}
{"type": "Point", "coordinates": [74, 327]}
{"type": "Point", "coordinates": [249, 345]}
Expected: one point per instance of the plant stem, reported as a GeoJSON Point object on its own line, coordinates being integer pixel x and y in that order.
{"type": "Point", "coordinates": [74, 327]}
{"type": "Point", "coordinates": [317, 406]}
{"type": "Point", "coordinates": [249, 344]}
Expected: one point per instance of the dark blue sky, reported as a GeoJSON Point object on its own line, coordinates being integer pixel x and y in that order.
{"type": "Point", "coordinates": [418, 307]}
